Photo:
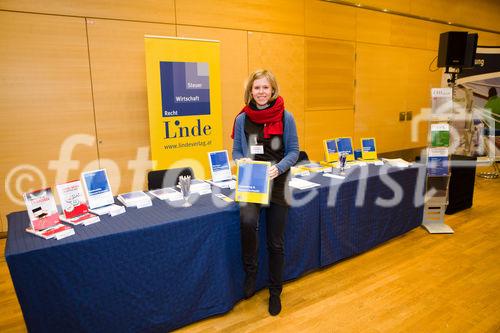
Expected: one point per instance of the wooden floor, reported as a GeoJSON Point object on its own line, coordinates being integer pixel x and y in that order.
{"type": "Point", "coordinates": [414, 283]}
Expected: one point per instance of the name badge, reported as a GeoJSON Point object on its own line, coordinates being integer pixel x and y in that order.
{"type": "Point", "coordinates": [256, 149]}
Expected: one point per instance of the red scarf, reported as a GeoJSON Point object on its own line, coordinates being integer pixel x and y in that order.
{"type": "Point", "coordinates": [272, 118]}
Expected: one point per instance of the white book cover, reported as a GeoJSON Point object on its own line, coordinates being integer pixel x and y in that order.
{"type": "Point", "coordinates": [442, 101]}
{"type": "Point", "coordinates": [42, 209]}
{"type": "Point", "coordinates": [72, 199]}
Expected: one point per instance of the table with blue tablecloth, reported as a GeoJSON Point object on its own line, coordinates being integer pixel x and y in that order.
{"type": "Point", "coordinates": [161, 267]}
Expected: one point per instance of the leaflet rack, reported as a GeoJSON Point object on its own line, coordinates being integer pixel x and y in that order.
{"type": "Point", "coordinates": [437, 160]}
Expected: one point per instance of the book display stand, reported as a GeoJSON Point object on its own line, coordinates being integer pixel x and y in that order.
{"type": "Point", "coordinates": [438, 166]}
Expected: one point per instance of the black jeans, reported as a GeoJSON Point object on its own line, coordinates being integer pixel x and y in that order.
{"type": "Point", "coordinates": [276, 216]}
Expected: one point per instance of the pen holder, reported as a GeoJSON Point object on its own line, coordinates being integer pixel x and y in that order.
{"type": "Point", "coordinates": [342, 161]}
{"type": "Point", "coordinates": [185, 185]}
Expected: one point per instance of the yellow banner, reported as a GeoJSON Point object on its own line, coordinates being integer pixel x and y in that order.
{"type": "Point", "coordinates": [184, 102]}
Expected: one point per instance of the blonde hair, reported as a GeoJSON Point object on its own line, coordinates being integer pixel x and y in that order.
{"type": "Point", "coordinates": [259, 74]}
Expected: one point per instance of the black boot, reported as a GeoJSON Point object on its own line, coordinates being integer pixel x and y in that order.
{"type": "Point", "coordinates": [274, 305]}
{"type": "Point", "coordinates": [249, 287]}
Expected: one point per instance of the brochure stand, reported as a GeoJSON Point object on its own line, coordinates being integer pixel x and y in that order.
{"type": "Point", "coordinates": [438, 170]}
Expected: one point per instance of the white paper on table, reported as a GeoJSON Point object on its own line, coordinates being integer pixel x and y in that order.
{"type": "Point", "coordinates": [301, 184]}
{"type": "Point", "coordinates": [331, 175]}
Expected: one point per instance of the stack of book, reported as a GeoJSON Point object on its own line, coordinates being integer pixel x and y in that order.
{"type": "Point", "coordinates": [200, 187]}
{"type": "Point", "coordinates": [314, 167]}
{"type": "Point", "coordinates": [167, 193]}
{"type": "Point", "coordinates": [137, 199]}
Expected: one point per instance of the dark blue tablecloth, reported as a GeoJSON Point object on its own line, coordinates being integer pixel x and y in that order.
{"type": "Point", "coordinates": [348, 228]}
{"type": "Point", "coordinates": [162, 267]}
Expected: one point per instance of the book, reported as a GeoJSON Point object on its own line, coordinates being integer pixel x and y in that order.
{"type": "Point", "coordinates": [223, 197]}
{"type": "Point", "coordinates": [112, 210]}
{"type": "Point", "coordinates": [252, 184]}
{"type": "Point", "coordinates": [199, 186]}
{"type": "Point", "coordinates": [344, 145]}
{"type": "Point", "coordinates": [167, 193]}
{"type": "Point", "coordinates": [219, 166]}
{"type": "Point", "coordinates": [58, 231]}
{"type": "Point", "coordinates": [314, 167]}
{"type": "Point", "coordinates": [84, 219]}
{"type": "Point", "coordinates": [42, 209]}
{"type": "Point", "coordinates": [442, 101]}
{"type": "Point", "coordinates": [72, 199]}
{"type": "Point", "coordinates": [135, 199]}
{"type": "Point", "coordinates": [397, 162]}
{"type": "Point", "coordinates": [331, 151]}
{"type": "Point", "coordinates": [440, 135]}
{"type": "Point", "coordinates": [437, 162]}
{"type": "Point", "coordinates": [223, 184]}
{"type": "Point", "coordinates": [368, 149]}
{"type": "Point", "coordinates": [97, 189]}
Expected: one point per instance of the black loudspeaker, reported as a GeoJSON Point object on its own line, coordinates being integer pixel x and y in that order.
{"type": "Point", "coordinates": [461, 188]}
{"type": "Point", "coordinates": [470, 51]}
{"type": "Point", "coordinates": [452, 46]}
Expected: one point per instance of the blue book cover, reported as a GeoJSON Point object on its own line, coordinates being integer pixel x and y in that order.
{"type": "Point", "coordinates": [253, 182]}
{"type": "Point", "coordinates": [331, 146]}
{"type": "Point", "coordinates": [437, 162]}
{"type": "Point", "coordinates": [368, 145]}
{"type": "Point", "coordinates": [185, 89]}
{"type": "Point", "coordinates": [96, 182]}
{"type": "Point", "coordinates": [345, 145]}
{"type": "Point", "coordinates": [219, 161]}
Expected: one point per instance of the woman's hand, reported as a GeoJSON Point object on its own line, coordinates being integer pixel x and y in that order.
{"type": "Point", "coordinates": [273, 172]}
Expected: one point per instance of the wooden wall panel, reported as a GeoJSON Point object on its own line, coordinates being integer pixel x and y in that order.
{"type": "Point", "coordinates": [480, 13]}
{"type": "Point", "coordinates": [234, 71]}
{"type": "Point", "coordinates": [373, 27]}
{"type": "Point", "coordinates": [284, 56]}
{"type": "Point", "coordinates": [381, 93]}
{"type": "Point", "coordinates": [329, 20]}
{"type": "Point", "coordinates": [386, 29]}
{"type": "Point", "coordinates": [400, 5]}
{"type": "Point", "coordinates": [408, 32]}
{"type": "Point", "coordinates": [433, 31]}
{"type": "Point", "coordinates": [483, 14]}
{"type": "Point", "coordinates": [120, 93]}
{"type": "Point", "coordinates": [46, 98]}
{"type": "Point", "coordinates": [445, 10]}
{"type": "Point", "coordinates": [488, 39]}
{"type": "Point", "coordinates": [420, 81]}
{"type": "Point", "coordinates": [320, 125]}
{"type": "Point", "coordinates": [146, 10]}
{"type": "Point", "coordinates": [329, 74]}
{"type": "Point", "coordinates": [281, 16]}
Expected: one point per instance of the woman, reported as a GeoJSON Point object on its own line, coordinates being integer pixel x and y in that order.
{"type": "Point", "coordinates": [265, 131]}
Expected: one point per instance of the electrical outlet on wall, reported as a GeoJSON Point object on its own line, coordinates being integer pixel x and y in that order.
{"type": "Point", "coordinates": [409, 115]}
{"type": "Point", "coordinates": [402, 116]}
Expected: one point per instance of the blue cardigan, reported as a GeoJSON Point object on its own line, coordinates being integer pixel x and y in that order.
{"type": "Point", "coordinates": [241, 149]}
